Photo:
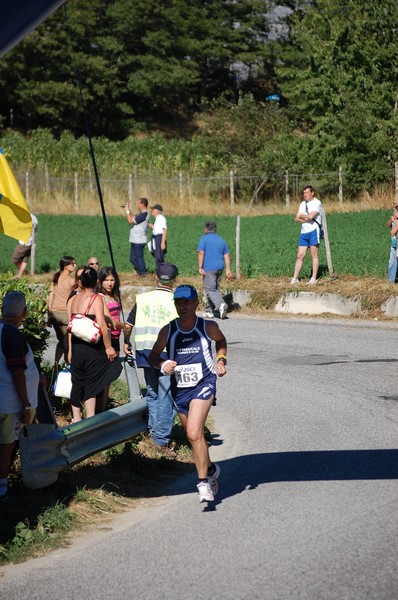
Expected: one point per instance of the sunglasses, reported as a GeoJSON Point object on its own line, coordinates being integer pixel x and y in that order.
{"type": "Point", "coordinates": [91, 264]}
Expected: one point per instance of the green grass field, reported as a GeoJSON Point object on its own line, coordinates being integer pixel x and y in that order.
{"type": "Point", "coordinates": [360, 243]}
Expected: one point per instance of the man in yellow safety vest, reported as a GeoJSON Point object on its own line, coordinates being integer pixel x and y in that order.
{"type": "Point", "coordinates": [150, 313]}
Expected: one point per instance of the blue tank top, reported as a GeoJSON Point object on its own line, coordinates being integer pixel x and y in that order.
{"type": "Point", "coordinates": [190, 347]}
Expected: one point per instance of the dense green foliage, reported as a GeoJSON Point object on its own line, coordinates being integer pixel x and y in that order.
{"type": "Point", "coordinates": [244, 135]}
{"type": "Point", "coordinates": [204, 70]}
{"type": "Point", "coordinates": [338, 70]}
{"type": "Point", "coordinates": [139, 62]}
{"type": "Point", "coordinates": [152, 155]}
{"type": "Point", "coordinates": [268, 244]}
{"type": "Point", "coordinates": [34, 324]}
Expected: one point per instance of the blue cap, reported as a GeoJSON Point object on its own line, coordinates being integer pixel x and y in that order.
{"type": "Point", "coordinates": [187, 292]}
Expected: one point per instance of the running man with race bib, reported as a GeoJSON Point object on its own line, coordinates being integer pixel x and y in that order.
{"type": "Point", "coordinates": [193, 377]}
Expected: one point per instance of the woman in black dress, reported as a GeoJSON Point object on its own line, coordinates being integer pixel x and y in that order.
{"type": "Point", "coordinates": [93, 366]}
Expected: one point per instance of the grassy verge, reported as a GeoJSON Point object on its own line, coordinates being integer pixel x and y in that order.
{"type": "Point", "coordinates": [266, 291]}
{"type": "Point", "coordinates": [371, 291]}
{"type": "Point", "coordinates": [88, 494]}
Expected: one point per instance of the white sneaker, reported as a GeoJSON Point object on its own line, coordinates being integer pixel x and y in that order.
{"type": "Point", "coordinates": [213, 479]}
{"type": "Point", "coordinates": [205, 493]}
{"type": "Point", "coordinates": [208, 315]}
{"type": "Point", "coordinates": [311, 281]}
{"type": "Point", "coordinates": [223, 311]}
{"type": "Point", "coordinates": [293, 281]}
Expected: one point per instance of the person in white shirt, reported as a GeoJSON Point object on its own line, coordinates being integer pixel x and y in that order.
{"type": "Point", "coordinates": [309, 215]}
{"type": "Point", "coordinates": [159, 234]}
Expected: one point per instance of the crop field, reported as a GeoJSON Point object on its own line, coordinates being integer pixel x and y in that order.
{"type": "Point", "coordinates": [360, 243]}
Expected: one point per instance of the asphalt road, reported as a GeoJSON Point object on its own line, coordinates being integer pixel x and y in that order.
{"type": "Point", "coordinates": [306, 434]}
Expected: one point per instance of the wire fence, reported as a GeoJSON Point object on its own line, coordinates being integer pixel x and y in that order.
{"type": "Point", "coordinates": [80, 195]}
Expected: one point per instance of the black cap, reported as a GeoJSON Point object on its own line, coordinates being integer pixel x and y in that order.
{"type": "Point", "coordinates": [157, 207]}
{"type": "Point", "coordinates": [166, 272]}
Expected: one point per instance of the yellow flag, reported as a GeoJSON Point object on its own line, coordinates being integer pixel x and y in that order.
{"type": "Point", "coordinates": [15, 219]}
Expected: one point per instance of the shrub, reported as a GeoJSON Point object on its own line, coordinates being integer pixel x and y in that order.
{"type": "Point", "coordinates": [34, 324]}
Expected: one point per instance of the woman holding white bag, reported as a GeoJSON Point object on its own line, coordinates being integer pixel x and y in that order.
{"type": "Point", "coordinates": [93, 365]}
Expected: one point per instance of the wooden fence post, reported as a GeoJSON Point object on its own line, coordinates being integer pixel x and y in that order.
{"type": "Point", "coordinates": [27, 189]}
{"type": "Point", "coordinates": [287, 195]}
{"type": "Point", "coordinates": [76, 193]}
{"type": "Point", "coordinates": [237, 250]}
{"type": "Point", "coordinates": [135, 181]}
{"type": "Point", "coordinates": [396, 182]}
{"type": "Point", "coordinates": [180, 187]}
{"type": "Point", "coordinates": [90, 178]}
{"type": "Point", "coordinates": [33, 252]}
{"type": "Point", "coordinates": [130, 188]}
{"type": "Point", "coordinates": [46, 178]}
{"type": "Point", "coordinates": [340, 185]}
{"type": "Point", "coordinates": [327, 244]}
{"type": "Point", "coordinates": [231, 188]}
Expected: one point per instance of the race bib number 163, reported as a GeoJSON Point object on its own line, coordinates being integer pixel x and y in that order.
{"type": "Point", "coordinates": [188, 375]}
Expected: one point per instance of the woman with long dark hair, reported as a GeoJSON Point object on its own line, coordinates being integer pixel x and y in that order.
{"type": "Point", "coordinates": [109, 287]}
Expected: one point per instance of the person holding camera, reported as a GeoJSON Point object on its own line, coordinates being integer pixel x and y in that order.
{"type": "Point", "coordinates": [138, 231]}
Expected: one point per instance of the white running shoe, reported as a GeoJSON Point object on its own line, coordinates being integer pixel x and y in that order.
{"type": "Point", "coordinates": [213, 479]}
{"type": "Point", "coordinates": [293, 281]}
{"type": "Point", "coordinates": [223, 311]}
{"type": "Point", "coordinates": [205, 493]}
{"type": "Point", "coordinates": [311, 281]}
{"type": "Point", "coordinates": [208, 315]}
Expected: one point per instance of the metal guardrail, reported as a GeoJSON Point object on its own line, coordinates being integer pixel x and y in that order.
{"type": "Point", "coordinates": [46, 450]}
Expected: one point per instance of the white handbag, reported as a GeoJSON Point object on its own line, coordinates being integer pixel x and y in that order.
{"type": "Point", "coordinates": [85, 328]}
{"type": "Point", "coordinates": [63, 384]}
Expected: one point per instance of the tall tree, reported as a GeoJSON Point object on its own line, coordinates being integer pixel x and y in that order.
{"type": "Point", "coordinates": [339, 74]}
{"type": "Point", "coordinates": [171, 54]}
{"type": "Point", "coordinates": [38, 75]}
{"type": "Point", "coordinates": [144, 61]}
{"type": "Point", "coordinates": [243, 133]}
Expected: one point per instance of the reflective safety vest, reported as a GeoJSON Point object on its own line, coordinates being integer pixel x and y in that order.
{"type": "Point", "coordinates": [154, 310]}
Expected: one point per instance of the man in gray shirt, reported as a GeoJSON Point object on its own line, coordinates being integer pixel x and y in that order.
{"type": "Point", "coordinates": [137, 236]}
